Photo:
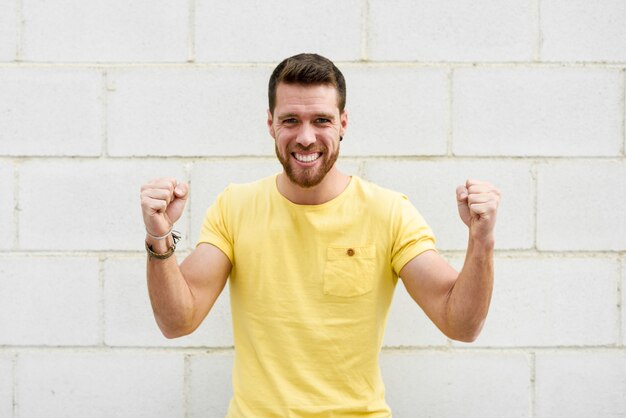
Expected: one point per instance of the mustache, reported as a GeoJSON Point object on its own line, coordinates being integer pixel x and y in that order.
{"type": "Point", "coordinates": [310, 148]}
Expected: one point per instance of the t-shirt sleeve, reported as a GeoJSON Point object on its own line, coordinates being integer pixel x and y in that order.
{"type": "Point", "coordinates": [412, 236]}
{"type": "Point", "coordinates": [216, 226]}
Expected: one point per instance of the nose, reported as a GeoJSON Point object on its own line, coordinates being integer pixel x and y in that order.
{"type": "Point", "coordinates": [306, 135]}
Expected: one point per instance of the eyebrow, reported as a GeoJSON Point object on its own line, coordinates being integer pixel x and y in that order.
{"type": "Point", "coordinates": [315, 115]}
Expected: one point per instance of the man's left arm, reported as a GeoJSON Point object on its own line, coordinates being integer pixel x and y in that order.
{"type": "Point", "coordinates": [458, 303]}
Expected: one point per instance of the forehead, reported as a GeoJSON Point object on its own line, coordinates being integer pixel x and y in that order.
{"type": "Point", "coordinates": [299, 98]}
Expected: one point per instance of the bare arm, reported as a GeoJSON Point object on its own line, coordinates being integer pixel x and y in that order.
{"type": "Point", "coordinates": [458, 302]}
{"type": "Point", "coordinates": [181, 296]}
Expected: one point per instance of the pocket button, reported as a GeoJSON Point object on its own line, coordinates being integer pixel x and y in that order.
{"type": "Point", "coordinates": [350, 252]}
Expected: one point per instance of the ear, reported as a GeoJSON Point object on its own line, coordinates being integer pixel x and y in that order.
{"type": "Point", "coordinates": [343, 120]}
{"type": "Point", "coordinates": [270, 124]}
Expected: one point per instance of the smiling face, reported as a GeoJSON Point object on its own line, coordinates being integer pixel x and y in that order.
{"type": "Point", "coordinates": [306, 125]}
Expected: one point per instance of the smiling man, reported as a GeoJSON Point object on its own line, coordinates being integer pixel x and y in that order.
{"type": "Point", "coordinates": [313, 257]}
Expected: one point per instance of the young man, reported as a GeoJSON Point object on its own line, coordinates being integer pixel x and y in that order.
{"type": "Point", "coordinates": [313, 257]}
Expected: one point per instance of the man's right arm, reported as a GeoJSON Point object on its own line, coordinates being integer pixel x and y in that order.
{"type": "Point", "coordinates": [181, 296]}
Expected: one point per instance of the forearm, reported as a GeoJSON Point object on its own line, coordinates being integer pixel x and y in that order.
{"type": "Point", "coordinates": [468, 300]}
{"type": "Point", "coordinates": [170, 295]}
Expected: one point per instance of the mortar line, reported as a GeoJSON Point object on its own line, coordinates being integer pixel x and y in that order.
{"type": "Point", "coordinates": [623, 106]}
{"type": "Point", "coordinates": [620, 307]}
{"type": "Point", "coordinates": [19, 29]}
{"type": "Point", "coordinates": [365, 30]}
{"type": "Point", "coordinates": [14, 405]}
{"type": "Point", "coordinates": [450, 138]}
{"type": "Point", "coordinates": [191, 32]}
{"type": "Point", "coordinates": [535, 202]}
{"type": "Point", "coordinates": [16, 206]}
{"type": "Point", "coordinates": [188, 171]}
{"type": "Point", "coordinates": [533, 384]}
{"type": "Point", "coordinates": [104, 150]}
{"type": "Point", "coordinates": [186, 384]}
{"type": "Point", "coordinates": [536, 29]}
{"type": "Point", "coordinates": [101, 301]}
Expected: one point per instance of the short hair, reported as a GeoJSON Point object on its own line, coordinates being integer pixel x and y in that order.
{"type": "Point", "coordinates": [307, 69]}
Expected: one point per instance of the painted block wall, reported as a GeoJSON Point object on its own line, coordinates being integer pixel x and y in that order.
{"type": "Point", "coordinates": [98, 97]}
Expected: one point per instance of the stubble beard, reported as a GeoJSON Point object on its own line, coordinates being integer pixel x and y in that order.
{"type": "Point", "coordinates": [307, 177]}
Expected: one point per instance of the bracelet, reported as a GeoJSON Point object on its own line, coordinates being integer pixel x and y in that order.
{"type": "Point", "coordinates": [170, 250]}
{"type": "Point", "coordinates": [160, 238]}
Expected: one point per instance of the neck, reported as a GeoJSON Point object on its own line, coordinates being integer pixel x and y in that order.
{"type": "Point", "coordinates": [330, 187]}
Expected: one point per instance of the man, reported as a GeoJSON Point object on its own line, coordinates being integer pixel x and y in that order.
{"type": "Point", "coordinates": [313, 257]}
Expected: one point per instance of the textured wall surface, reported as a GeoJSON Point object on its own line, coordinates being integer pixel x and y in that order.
{"type": "Point", "coordinates": [97, 97]}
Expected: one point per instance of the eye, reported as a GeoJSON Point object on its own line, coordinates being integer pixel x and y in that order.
{"type": "Point", "coordinates": [290, 121]}
{"type": "Point", "coordinates": [322, 120]}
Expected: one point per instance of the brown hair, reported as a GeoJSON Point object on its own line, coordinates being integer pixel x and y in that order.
{"type": "Point", "coordinates": [307, 69]}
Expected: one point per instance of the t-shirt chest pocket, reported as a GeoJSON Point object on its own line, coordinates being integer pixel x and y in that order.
{"type": "Point", "coordinates": [349, 271]}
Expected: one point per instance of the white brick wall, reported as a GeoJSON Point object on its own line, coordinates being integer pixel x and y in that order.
{"type": "Point", "coordinates": [6, 385]}
{"type": "Point", "coordinates": [50, 111]}
{"type": "Point", "coordinates": [243, 31]}
{"type": "Point", "coordinates": [448, 30]}
{"type": "Point", "coordinates": [86, 204]}
{"type": "Point", "coordinates": [457, 384]}
{"type": "Point", "coordinates": [396, 111]}
{"type": "Point", "coordinates": [209, 380]}
{"type": "Point", "coordinates": [8, 30]}
{"type": "Point", "coordinates": [579, 30]}
{"type": "Point", "coordinates": [111, 31]}
{"type": "Point", "coordinates": [7, 205]}
{"type": "Point", "coordinates": [581, 384]}
{"type": "Point", "coordinates": [577, 206]}
{"type": "Point", "coordinates": [526, 112]}
{"type": "Point", "coordinates": [49, 301]}
{"type": "Point", "coordinates": [105, 384]}
{"type": "Point", "coordinates": [98, 97]}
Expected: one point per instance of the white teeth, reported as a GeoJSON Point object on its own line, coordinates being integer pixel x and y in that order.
{"type": "Point", "coordinates": [307, 158]}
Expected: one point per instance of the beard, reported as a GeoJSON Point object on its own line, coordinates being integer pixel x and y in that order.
{"type": "Point", "coordinates": [310, 176]}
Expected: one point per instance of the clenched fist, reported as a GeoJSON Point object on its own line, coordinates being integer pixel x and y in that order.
{"type": "Point", "coordinates": [162, 204]}
{"type": "Point", "coordinates": [478, 203]}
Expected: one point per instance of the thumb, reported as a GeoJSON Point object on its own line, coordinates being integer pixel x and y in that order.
{"type": "Point", "coordinates": [462, 204]}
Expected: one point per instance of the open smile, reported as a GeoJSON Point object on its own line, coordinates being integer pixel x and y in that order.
{"type": "Point", "coordinates": [306, 158]}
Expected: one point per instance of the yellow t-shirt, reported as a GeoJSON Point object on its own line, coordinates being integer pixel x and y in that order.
{"type": "Point", "coordinates": [310, 291]}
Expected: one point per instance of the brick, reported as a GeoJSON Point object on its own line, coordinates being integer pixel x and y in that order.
{"type": "Point", "coordinates": [210, 384]}
{"type": "Point", "coordinates": [6, 386]}
{"type": "Point", "coordinates": [87, 205]}
{"type": "Point", "coordinates": [580, 384]}
{"type": "Point", "coordinates": [7, 205]}
{"type": "Point", "coordinates": [577, 30]}
{"type": "Point", "coordinates": [241, 31]}
{"type": "Point", "coordinates": [537, 112]}
{"type": "Point", "coordinates": [456, 384]}
{"type": "Point", "coordinates": [50, 112]}
{"type": "Point", "coordinates": [100, 384]}
{"type": "Point", "coordinates": [188, 112]}
{"type": "Point", "coordinates": [431, 187]}
{"type": "Point", "coordinates": [578, 206]}
{"type": "Point", "coordinates": [8, 30]}
{"type": "Point", "coordinates": [383, 122]}
{"type": "Point", "coordinates": [553, 302]}
{"type": "Point", "coordinates": [211, 178]}
{"type": "Point", "coordinates": [49, 301]}
{"type": "Point", "coordinates": [117, 30]}
{"type": "Point", "coordinates": [449, 31]}
{"type": "Point", "coordinates": [128, 313]}
{"type": "Point", "coordinates": [407, 324]}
